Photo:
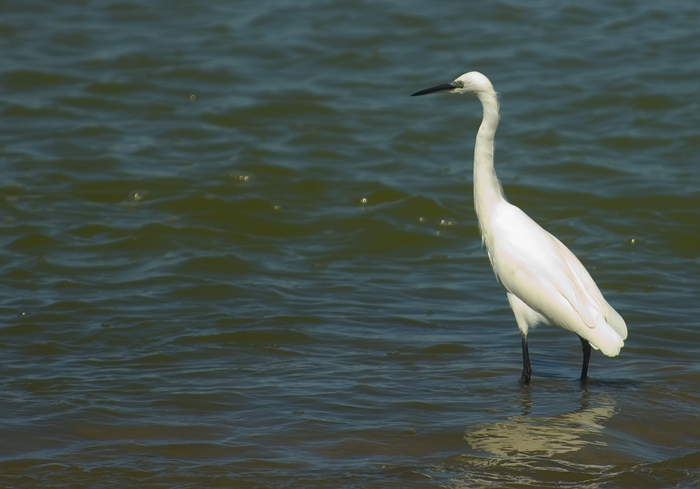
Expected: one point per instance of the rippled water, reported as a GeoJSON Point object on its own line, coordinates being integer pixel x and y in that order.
{"type": "Point", "coordinates": [236, 253]}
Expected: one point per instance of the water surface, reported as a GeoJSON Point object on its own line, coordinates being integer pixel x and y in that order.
{"type": "Point", "coordinates": [234, 252]}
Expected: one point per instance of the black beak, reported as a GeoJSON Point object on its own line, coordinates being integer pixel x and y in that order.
{"type": "Point", "coordinates": [445, 87]}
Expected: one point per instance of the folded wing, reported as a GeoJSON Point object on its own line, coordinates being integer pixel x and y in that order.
{"type": "Point", "coordinates": [537, 268]}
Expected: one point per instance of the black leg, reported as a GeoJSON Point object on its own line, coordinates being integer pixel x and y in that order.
{"type": "Point", "coordinates": [527, 371]}
{"type": "Point", "coordinates": [586, 346]}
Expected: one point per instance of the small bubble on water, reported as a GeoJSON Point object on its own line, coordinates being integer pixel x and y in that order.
{"type": "Point", "coordinates": [240, 178]}
{"type": "Point", "coordinates": [138, 195]}
{"type": "Point", "coordinates": [193, 97]}
{"type": "Point", "coordinates": [363, 200]}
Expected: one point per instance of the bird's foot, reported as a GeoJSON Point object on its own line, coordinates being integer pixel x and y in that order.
{"type": "Point", "coordinates": [525, 378]}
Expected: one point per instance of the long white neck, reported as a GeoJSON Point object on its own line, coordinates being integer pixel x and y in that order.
{"type": "Point", "coordinates": [487, 189]}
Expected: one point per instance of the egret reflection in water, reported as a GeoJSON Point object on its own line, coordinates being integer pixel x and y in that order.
{"type": "Point", "coordinates": [526, 435]}
{"type": "Point", "coordinates": [545, 451]}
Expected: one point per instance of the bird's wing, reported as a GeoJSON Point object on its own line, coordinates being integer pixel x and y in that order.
{"type": "Point", "coordinates": [545, 275]}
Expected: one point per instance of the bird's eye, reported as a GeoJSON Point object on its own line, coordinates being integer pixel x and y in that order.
{"type": "Point", "coordinates": [460, 83]}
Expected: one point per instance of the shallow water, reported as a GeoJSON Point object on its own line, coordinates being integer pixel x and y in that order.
{"type": "Point", "coordinates": [234, 252]}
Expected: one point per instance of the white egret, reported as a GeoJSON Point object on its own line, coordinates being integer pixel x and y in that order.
{"type": "Point", "coordinates": [544, 281]}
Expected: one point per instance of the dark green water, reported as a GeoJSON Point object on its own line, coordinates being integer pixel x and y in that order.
{"type": "Point", "coordinates": [235, 253]}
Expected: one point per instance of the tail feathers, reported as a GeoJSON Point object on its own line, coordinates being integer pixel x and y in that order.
{"type": "Point", "coordinates": [616, 321]}
{"type": "Point", "coordinates": [606, 338]}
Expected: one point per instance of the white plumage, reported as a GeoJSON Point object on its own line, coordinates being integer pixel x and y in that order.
{"type": "Point", "coordinates": [544, 281]}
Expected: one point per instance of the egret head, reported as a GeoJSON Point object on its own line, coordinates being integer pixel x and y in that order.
{"type": "Point", "coordinates": [472, 82]}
